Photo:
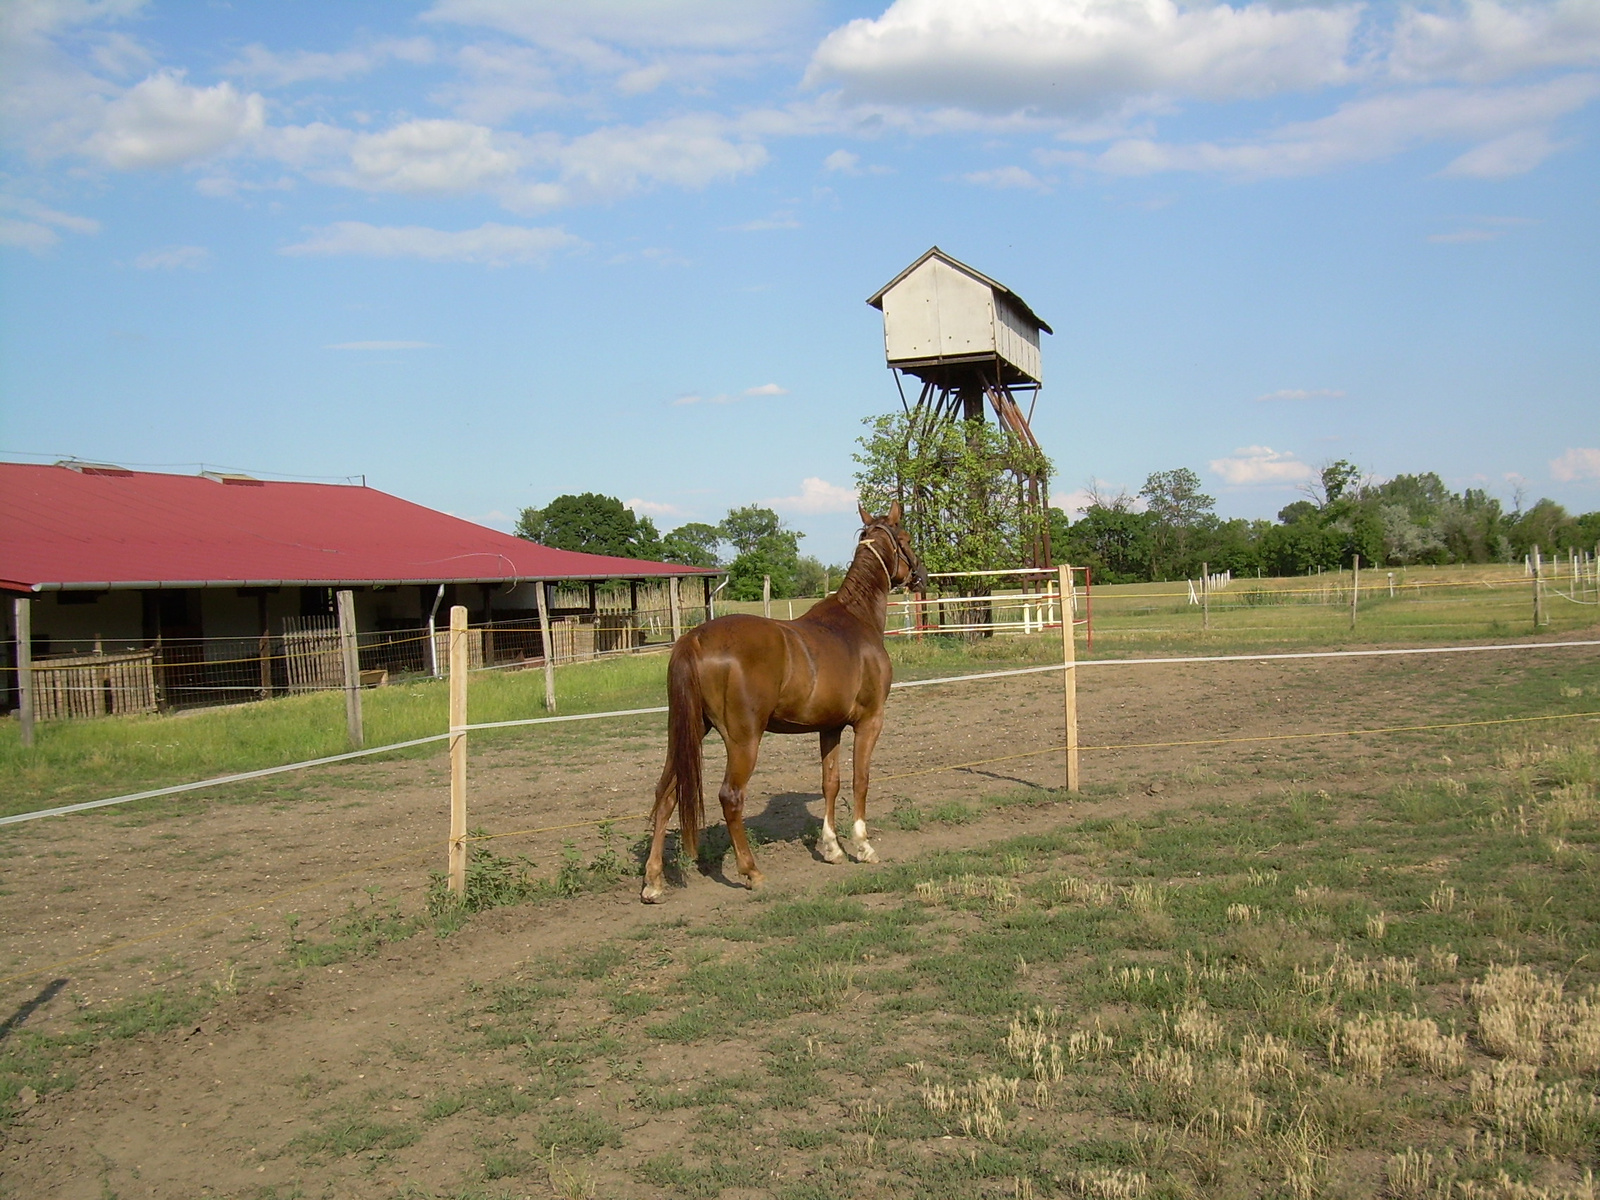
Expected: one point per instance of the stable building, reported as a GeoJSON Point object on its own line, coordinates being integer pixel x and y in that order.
{"type": "Point", "coordinates": [211, 578]}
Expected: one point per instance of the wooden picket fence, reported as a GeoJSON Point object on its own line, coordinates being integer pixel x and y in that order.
{"type": "Point", "coordinates": [94, 685]}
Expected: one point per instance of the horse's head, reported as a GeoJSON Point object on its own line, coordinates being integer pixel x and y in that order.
{"type": "Point", "coordinates": [889, 540]}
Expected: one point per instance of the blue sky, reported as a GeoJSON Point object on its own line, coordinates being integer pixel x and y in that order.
{"type": "Point", "coordinates": [488, 251]}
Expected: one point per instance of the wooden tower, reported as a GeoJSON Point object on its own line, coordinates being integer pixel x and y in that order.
{"type": "Point", "coordinates": [972, 343]}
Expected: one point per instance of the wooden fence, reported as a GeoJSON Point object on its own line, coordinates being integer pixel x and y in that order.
{"type": "Point", "coordinates": [94, 685]}
{"type": "Point", "coordinates": [312, 654]}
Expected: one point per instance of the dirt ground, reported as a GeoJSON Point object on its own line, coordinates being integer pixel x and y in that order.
{"type": "Point", "coordinates": [105, 905]}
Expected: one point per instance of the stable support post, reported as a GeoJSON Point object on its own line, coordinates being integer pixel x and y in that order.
{"type": "Point", "coordinates": [677, 609]}
{"type": "Point", "coordinates": [549, 648]}
{"type": "Point", "coordinates": [433, 635]}
{"type": "Point", "coordinates": [766, 595]}
{"type": "Point", "coordinates": [460, 664]}
{"type": "Point", "coordinates": [352, 668]}
{"type": "Point", "coordinates": [22, 614]}
{"type": "Point", "coordinates": [1069, 676]}
{"type": "Point", "coordinates": [1355, 586]}
{"type": "Point", "coordinates": [1205, 596]}
{"type": "Point", "coordinates": [264, 646]}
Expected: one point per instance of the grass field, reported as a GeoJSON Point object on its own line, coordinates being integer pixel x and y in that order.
{"type": "Point", "coordinates": [85, 760]}
{"type": "Point", "coordinates": [1309, 994]}
{"type": "Point", "coordinates": [1290, 988]}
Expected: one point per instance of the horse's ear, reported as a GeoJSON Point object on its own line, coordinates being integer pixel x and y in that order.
{"type": "Point", "coordinates": [866, 517]}
{"type": "Point", "coordinates": [894, 513]}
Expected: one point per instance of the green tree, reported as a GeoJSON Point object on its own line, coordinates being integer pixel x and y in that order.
{"type": "Point", "coordinates": [1339, 479]}
{"type": "Point", "coordinates": [1113, 542]}
{"type": "Point", "coordinates": [1177, 509]}
{"type": "Point", "coordinates": [812, 577]}
{"type": "Point", "coordinates": [763, 547]}
{"type": "Point", "coordinates": [1546, 525]}
{"type": "Point", "coordinates": [693, 544]}
{"type": "Point", "coordinates": [959, 484]}
{"type": "Point", "coordinates": [592, 523]}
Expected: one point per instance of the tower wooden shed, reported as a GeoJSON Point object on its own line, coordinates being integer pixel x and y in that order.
{"type": "Point", "coordinates": [942, 319]}
{"type": "Point", "coordinates": [969, 339]}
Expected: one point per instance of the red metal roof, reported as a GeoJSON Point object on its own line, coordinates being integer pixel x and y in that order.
{"type": "Point", "coordinates": [69, 528]}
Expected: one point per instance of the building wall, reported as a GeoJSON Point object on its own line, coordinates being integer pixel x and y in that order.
{"type": "Point", "coordinates": [937, 311]}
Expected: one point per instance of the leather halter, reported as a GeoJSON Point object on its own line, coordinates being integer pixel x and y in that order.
{"type": "Point", "coordinates": [867, 542]}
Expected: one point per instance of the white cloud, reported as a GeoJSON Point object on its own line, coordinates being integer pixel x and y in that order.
{"type": "Point", "coordinates": [1370, 129]}
{"type": "Point", "coordinates": [846, 162]}
{"type": "Point", "coordinates": [688, 24]}
{"type": "Point", "coordinates": [817, 496]}
{"type": "Point", "coordinates": [174, 258]}
{"type": "Point", "coordinates": [282, 69]}
{"type": "Point", "coordinates": [1479, 41]}
{"type": "Point", "coordinates": [500, 82]}
{"type": "Point", "coordinates": [1006, 177]}
{"type": "Point", "coordinates": [767, 389]}
{"type": "Point", "coordinates": [1514, 154]}
{"type": "Point", "coordinates": [1461, 236]}
{"type": "Point", "coordinates": [641, 45]}
{"type": "Point", "coordinates": [1481, 229]}
{"type": "Point", "coordinates": [489, 244]}
{"type": "Point", "coordinates": [1301, 394]}
{"type": "Point", "coordinates": [1073, 503]}
{"type": "Point", "coordinates": [1261, 465]}
{"type": "Point", "coordinates": [34, 227]}
{"type": "Point", "coordinates": [162, 122]}
{"type": "Point", "coordinates": [1580, 462]}
{"type": "Point", "coordinates": [434, 156]}
{"type": "Point", "coordinates": [651, 508]}
{"type": "Point", "coordinates": [690, 152]}
{"type": "Point", "coordinates": [1082, 56]}
{"type": "Point", "coordinates": [382, 346]}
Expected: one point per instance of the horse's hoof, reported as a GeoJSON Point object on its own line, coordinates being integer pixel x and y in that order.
{"type": "Point", "coordinates": [866, 853]}
{"type": "Point", "coordinates": [755, 880]}
{"type": "Point", "coordinates": [830, 852]}
{"type": "Point", "coordinates": [651, 893]}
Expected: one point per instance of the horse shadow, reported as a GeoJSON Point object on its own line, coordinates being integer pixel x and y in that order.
{"type": "Point", "coordinates": [786, 817]}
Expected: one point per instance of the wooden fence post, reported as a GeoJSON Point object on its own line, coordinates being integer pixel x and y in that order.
{"type": "Point", "coordinates": [352, 667]}
{"type": "Point", "coordinates": [1205, 596]}
{"type": "Point", "coordinates": [549, 649]}
{"type": "Point", "coordinates": [460, 667]}
{"type": "Point", "coordinates": [1355, 586]}
{"type": "Point", "coordinates": [1069, 675]}
{"type": "Point", "coordinates": [1538, 591]}
{"type": "Point", "coordinates": [766, 595]}
{"type": "Point", "coordinates": [22, 611]}
{"type": "Point", "coordinates": [677, 609]}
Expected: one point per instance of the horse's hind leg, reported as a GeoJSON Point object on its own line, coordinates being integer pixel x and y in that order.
{"type": "Point", "coordinates": [828, 843]}
{"type": "Point", "coordinates": [741, 765]}
{"type": "Point", "coordinates": [660, 814]}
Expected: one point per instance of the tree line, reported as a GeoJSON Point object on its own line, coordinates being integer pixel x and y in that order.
{"type": "Point", "coordinates": [1169, 529]}
{"type": "Point", "coordinates": [750, 542]}
{"type": "Point", "coordinates": [965, 511]}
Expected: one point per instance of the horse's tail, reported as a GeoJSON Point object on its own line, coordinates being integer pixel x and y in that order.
{"type": "Point", "coordinates": [686, 731]}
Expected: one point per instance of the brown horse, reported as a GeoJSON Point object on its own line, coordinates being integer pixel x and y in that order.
{"type": "Point", "coordinates": [744, 676]}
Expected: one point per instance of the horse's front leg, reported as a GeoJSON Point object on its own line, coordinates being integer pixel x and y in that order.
{"type": "Point", "coordinates": [867, 732]}
{"type": "Point", "coordinates": [828, 843]}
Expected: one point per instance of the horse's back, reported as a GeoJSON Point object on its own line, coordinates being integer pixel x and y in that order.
{"type": "Point", "coordinates": [791, 676]}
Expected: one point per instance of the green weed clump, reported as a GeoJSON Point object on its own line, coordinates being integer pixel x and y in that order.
{"type": "Point", "coordinates": [496, 881]}
{"type": "Point", "coordinates": [361, 931]}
